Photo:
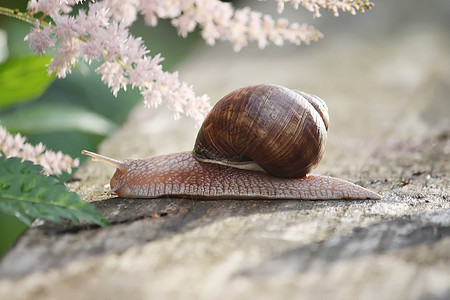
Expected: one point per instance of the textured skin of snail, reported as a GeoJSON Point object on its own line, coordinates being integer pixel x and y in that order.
{"type": "Point", "coordinates": [181, 175]}
{"type": "Point", "coordinates": [231, 163]}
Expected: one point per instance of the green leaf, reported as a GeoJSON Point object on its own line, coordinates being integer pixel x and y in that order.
{"type": "Point", "coordinates": [26, 194]}
{"type": "Point", "coordinates": [23, 79]}
{"type": "Point", "coordinates": [10, 230]}
{"type": "Point", "coordinates": [45, 118]}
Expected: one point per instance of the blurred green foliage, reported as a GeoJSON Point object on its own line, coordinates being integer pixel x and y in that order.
{"type": "Point", "coordinates": [27, 194]}
{"type": "Point", "coordinates": [21, 79]}
{"type": "Point", "coordinates": [69, 114]}
{"type": "Point", "coordinates": [10, 229]}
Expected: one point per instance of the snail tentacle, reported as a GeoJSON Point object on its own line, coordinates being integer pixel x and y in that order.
{"type": "Point", "coordinates": [122, 166]}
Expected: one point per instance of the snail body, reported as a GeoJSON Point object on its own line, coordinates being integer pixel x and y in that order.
{"type": "Point", "coordinates": [181, 175]}
{"type": "Point", "coordinates": [258, 142]}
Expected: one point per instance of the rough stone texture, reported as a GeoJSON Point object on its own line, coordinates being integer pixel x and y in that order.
{"type": "Point", "coordinates": [388, 97]}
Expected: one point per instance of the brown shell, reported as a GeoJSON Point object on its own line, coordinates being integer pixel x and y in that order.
{"type": "Point", "coordinates": [282, 130]}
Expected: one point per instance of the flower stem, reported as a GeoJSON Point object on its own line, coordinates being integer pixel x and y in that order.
{"type": "Point", "coordinates": [15, 13]}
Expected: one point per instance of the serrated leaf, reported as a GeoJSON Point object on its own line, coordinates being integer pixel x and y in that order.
{"type": "Point", "coordinates": [23, 79]}
{"type": "Point", "coordinates": [44, 118]}
{"type": "Point", "coordinates": [27, 194]}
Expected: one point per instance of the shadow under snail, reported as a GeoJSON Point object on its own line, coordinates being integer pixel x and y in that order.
{"type": "Point", "coordinates": [258, 142]}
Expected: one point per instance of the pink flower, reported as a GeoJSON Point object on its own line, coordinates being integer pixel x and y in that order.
{"type": "Point", "coordinates": [219, 20]}
{"type": "Point", "coordinates": [66, 57]}
{"type": "Point", "coordinates": [51, 7]}
{"type": "Point", "coordinates": [124, 11]}
{"type": "Point", "coordinates": [40, 39]}
{"type": "Point", "coordinates": [113, 74]}
{"type": "Point", "coordinates": [334, 6]}
{"type": "Point", "coordinates": [52, 162]}
{"type": "Point", "coordinates": [97, 34]}
{"type": "Point", "coordinates": [66, 27]}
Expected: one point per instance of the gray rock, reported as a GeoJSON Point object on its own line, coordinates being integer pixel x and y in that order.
{"type": "Point", "coordinates": [388, 97]}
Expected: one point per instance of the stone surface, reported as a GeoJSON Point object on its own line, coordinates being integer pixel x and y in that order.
{"type": "Point", "coordinates": [388, 97]}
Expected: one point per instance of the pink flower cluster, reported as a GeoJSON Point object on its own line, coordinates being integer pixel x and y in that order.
{"type": "Point", "coordinates": [100, 33]}
{"type": "Point", "coordinates": [220, 21]}
{"type": "Point", "coordinates": [351, 6]}
{"type": "Point", "coordinates": [96, 35]}
{"type": "Point", "coordinates": [52, 162]}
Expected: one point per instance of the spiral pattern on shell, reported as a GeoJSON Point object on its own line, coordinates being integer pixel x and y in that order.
{"type": "Point", "coordinates": [281, 130]}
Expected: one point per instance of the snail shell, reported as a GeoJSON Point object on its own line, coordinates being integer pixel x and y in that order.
{"type": "Point", "coordinates": [258, 142]}
{"type": "Point", "coordinates": [284, 132]}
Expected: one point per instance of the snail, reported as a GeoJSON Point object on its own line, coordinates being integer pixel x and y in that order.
{"type": "Point", "coordinates": [258, 142]}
